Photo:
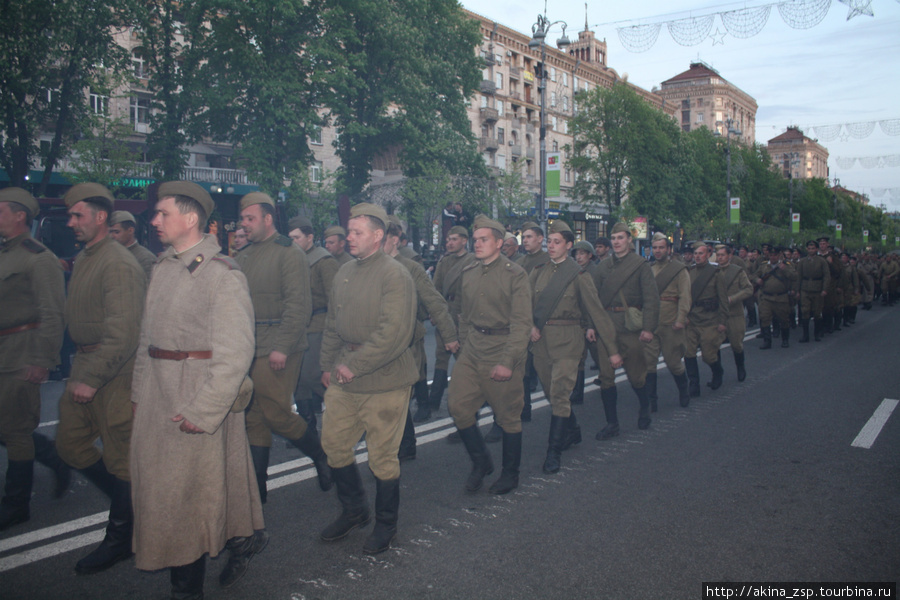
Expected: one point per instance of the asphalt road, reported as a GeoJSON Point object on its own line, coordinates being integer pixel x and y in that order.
{"type": "Point", "coordinates": [758, 481]}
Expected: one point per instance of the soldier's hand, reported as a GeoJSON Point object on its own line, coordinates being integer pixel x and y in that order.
{"type": "Point", "coordinates": [501, 373]}
{"type": "Point", "coordinates": [677, 326]}
{"type": "Point", "coordinates": [824, 293]}
{"type": "Point", "coordinates": [590, 335]}
{"type": "Point", "coordinates": [646, 336]}
{"type": "Point", "coordinates": [616, 361]}
{"type": "Point", "coordinates": [277, 360]}
{"type": "Point", "coordinates": [33, 374]}
{"type": "Point", "coordinates": [186, 426]}
{"type": "Point", "coordinates": [720, 328]}
{"type": "Point", "coordinates": [82, 393]}
{"type": "Point", "coordinates": [344, 374]}
{"type": "Point", "coordinates": [452, 347]}
{"type": "Point", "coordinates": [326, 379]}
{"type": "Point", "coordinates": [535, 334]}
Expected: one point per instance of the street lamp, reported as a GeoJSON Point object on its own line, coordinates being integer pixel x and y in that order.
{"type": "Point", "coordinates": [539, 33]}
{"type": "Point", "coordinates": [793, 160]}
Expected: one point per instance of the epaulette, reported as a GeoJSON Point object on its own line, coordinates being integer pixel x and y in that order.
{"type": "Point", "coordinates": [283, 240]}
{"type": "Point", "coordinates": [229, 262]}
{"type": "Point", "coordinates": [33, 246]}
{"type": "Point", "coordinates": [195, 263]}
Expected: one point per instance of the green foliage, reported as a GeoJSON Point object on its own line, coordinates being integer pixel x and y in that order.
{"type": "Point", "coordinates": [104, 155]}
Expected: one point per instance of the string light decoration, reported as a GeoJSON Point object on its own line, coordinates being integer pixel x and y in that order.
{"type": "Point", "coordinates": [858, 131]}
{"type": "Point", "coordinates": [888, 161]}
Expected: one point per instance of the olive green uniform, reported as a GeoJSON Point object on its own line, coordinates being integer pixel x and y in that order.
{"type": "Point", "coordinates": [369, 328]}
{"type": "Point", "coordinates": [103, 313]}
{"type": "Point", "coordinates": [144, 257]}
{"type": "Point", "coordinates": [709, 309]}
{"type": "Point", "coordinates": [674, 305]}
{"type": "Point", "coordinates": [32, 296]}
{"type": "Point", "coordinates": [407, 252]}
{"type": "Point", "coordinates": [448, 281]}
{"type": "Point", "coordinates": [737, 289]}
{"type": "Point", "coordinates": [494, 328]}
{"type": "Point", "coordinates": [343, 258]}
{"type": "Point", "coordinates": [560, 348]}
{"type": "Point", "coordinates": [813, 276]}
{"type": "Point", "coordinates": [277, 273]}
{"type": "Point", "coordinates": [532, 260]}
{"type": "Point", "coordinates": [773, 294]}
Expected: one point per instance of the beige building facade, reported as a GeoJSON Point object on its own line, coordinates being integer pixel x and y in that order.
{"type": "Point", "coordinates": [797, 156]}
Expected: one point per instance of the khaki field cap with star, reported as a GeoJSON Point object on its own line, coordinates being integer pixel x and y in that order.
{"type": "Point", "coordinates": [94, 192]}
{"type": "Point", "coordinates": [482, 221]}
{"type": "Point", "coordinates": [369, 210]}
{"type": "Point", "coordinates": [22, 198]}
{"type": "Point", "coordinates": [559, 226]}
{"type": "Point", "coordinates": [256, 198]}
{"type": "Point", "coordinates": [191, 190]}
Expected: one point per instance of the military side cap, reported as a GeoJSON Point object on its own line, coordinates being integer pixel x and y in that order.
{"type": "Point", "coordinates": [94, 192]}
{"type": "Point", "coordinates": [256, 198]}
{"type": "Point", "coordinates": [395, 220]}
{"type": "Point", "coordinates": [559, 226]}
{"type": "Point", "coordinates": [659, 237]}
{"type": "Point", "coordinates": [299, 222]}
{"type": "Point", "coordinates": [483, 221]}
{"type": "Point", "coordinates": [699, 244]}
{"type": "Point", "coordinates": [458, 230]}
{"type": "Point", "coordinates": [369, 210]}
{"type": "Point", "coordinates": [509, 236]}
{"type": "Point", "coordinates": [121, 216]}
{"type": "Point", "coordinates": [602, 241]}
{"type": "Point", "coordinates": [582, 245]}
{"type": "Point", "coordinates": [825, 238]}
{"type": "Point", "coordinates": [811, 243]}
{"type": "Point", "coordinates": [21, 197]}
{"type": "Point", "coordinates": [530, 225]}
{"type": "Point", "coordinates": [722, 247]}
{"type": "Point", "coordinates": [620, 227]}
{"type": "Point", "coordinates": [335, 230]}
{"type": "Point", "coordinates": [191, 190]}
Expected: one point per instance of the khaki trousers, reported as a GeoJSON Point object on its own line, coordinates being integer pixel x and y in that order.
{"type": "Point", "coordinates": [272, 408]}
{"type": "Point", "coordinates": [20, 414]}
{"type": "Point", "coordinates": [707, 338]}
{"type": "Point", "coordinates": [631, 349]}
{"type": "Point", "coordinates": [671, 343]}
{"type": "Point", "coordinates": [471, 386]}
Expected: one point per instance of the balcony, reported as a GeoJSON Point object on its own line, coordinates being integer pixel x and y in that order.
{"type": "Point", "coordinates": [515, 73]}
{"type": "Point", "coordinates": [515, 149]}
{"type": "Point", "coordinates": [529, 153]}
{"type": "Point", "coordinates": [207, 174]}
{"type": "Point", "coordinates": [489, 114]}
{"type": "Point", "coordinates": [488, 87]}
{"type": "Point", "coordinates": [515, 96]}
{"type": "Point", "coordinates": [488, 143]}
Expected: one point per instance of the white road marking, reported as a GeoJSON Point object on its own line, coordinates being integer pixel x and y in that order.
{"type": "Point", "coordinates": [876, 422]}
{"type": "Point", "coordinates": [42, 552]}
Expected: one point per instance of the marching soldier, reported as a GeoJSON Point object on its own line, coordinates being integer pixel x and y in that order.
{"type": "Point", "coordinates": [706, 321]}
{"type": "Point", "coordinates": [774, 280]}
{"type": "Point", "coordinates": [852, 295]}
{"type": "Point", "coordinates": [103, 313]}
{"type": "Point", "coordinates": [32, 297]}
{"type": "Point", "coordinates": [335, 238]}
{"type": "Point", "coordinates": [368, 366]}
{"type": "Point", "coordinates": [277, 273]}
{"type": "Point", "coordinates": [564, 300]}
{"type": "Point", "coordinates": [121, 228]}
{"type": "Point", "coordinates": [584, 257]}
{"type": "Point", "coordinates": [510, 246]}
{"type": "Point", "coordinates": [674, 285]}
{"type": "Point", "coordinates": [814, 278]}
{"type": "Point", "coordinates": [737, 289]}
{"type": "Point", "coordinates": [494, 328]}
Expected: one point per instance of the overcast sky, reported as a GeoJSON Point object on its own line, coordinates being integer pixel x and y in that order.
{"type": "Point", "coordinates": [839, 71]}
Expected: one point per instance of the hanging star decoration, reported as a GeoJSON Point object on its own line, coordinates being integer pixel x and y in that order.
{"type": "Point", "coordinates": [718, 37]}
{"type": "Point", "coordinates": [858, 7]}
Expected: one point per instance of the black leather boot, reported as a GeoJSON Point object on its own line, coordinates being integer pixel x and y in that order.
{"type": "Point", "coordinates": [692, 370]}
{"type": "Point", "coordinates": [438, 385]}
{"type": "Point", "coordinates": [423, 401]}
{"type": "Point", "coordinates": [99, 476]}
{"type": "Point", "coordinates": [853, 311]}
{"type": "Point", "coordinates": [187, 580]}
{"type": "Point", "coordinates": [651, 391]}
{"type": "Point", "coordinates": [572, 435]}
{"type": "Point", "coordinates": [836, 320]}
{"type": "Point", "coordinates": [387, 508]}
{"type": "Point", "coordinates": [14, 508]}
{"type": "Point", "coordinates": [818, 328]}
{"type": "Point", "coordinates": [260, 456]}
{"type": "Point", "coordinates": [408, 441]}
{"type": "Point", "coordinates": [644, 407]}
{"type": "Point", "coordinates": [785, 337]}
{"type": "Point", "coordinates": [577, 395]}
{"type": "Point", "coordinates": [526, 407]}
{"type": "Point", "coordinates": [512, 458]}
{"type": "Point", "coordinates": [305, 410]}
{"type": "Point", "coordinates": [610, 398]}
{"type": "Point", "coordinates": [681, 382]}
{"type": "Point", "coordinates": [116, 546]}
{"type": "Point", "coordinates": [804, 328]}
{"type": "Point", "coordinates": [717, 373]}
{"type": "Point", "coordinates": [482, 465]}
{"type": "Point", "coordinates": [554, 444]}
{"type": "Point", "coordinates": [767, 338]}
{"type": "Point", "coordinates": [310, 445]}
{"type": "Point", "coordinates": [45, 453]}
{"type": "Point", "coordinates": [495, 434]}
{"type": "Point", "coordinates": [240, 551]}
{"type": "Point", "coordinates": [739, 363]}
{"type": "Point", "coordinates": [354, 508]}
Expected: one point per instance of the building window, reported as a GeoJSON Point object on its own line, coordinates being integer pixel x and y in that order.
{"type": "Point", "coordinates": [139, 111]}
{"type": "Point", "coordinates": [685, 104]}
{"type": "Point", "coordinates": [99, 103]}
{"type": "Point", "coordinates": [685, 116]}
{"type": "Point", "coordinates": [552, 99]}
{"type": "Point", "coordinates": [499, 106]}
{"type": "Point", "coordinates": [501, 135]}
{"type": "Point", "coordinates": [315, 171]}
{"type": "Point", "coordinates": [553, 123]}
{"type": "Point", "coordinates": [565, 103]}
{"type": "Point", "coordinates": [553, 74]}
{"type": "Point", "coordinates": [565, 79]}
{"type": "Point", "coordinates": [565, 126]}
{"type": "Point", "coordinates": [52, 96]}
{"type": "Point", "coordinates": [575, 82]}
{"type": "Point", "coordinates": [498, 79]}
{"type": "Point", "coordinates": [555, 146]}
{"type": "Point", "coordinates": [699, 117]}
{"type": "Point", "coordinates": [568, 176]}
{"type": "Point", "coordinates": [138, 63]}
{"type": "Point", "coordinates": [315, 137]}
{"type": "Point", "coordinates": [484, 102]}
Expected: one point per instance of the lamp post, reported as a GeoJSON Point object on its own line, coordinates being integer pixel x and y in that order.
{"type": "Point", "coordinates": [539, 33]}
{"type": "Point", "coordinates": [729, 131]}
{"type": "Point", "coordinates": [793, 160]}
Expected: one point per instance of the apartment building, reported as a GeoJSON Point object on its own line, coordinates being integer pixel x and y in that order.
{"type": "Point", "coordinates": [798, 156]}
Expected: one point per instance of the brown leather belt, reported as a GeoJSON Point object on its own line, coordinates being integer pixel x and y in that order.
{"type": "Point", "coordinates": [88, 348]}
{"type": "Point", "coordinates": [155, 352]}
{"type": "Point", "coordinates": [669, 298]}
{"type": "Point", "coordinates": [774, 293]}
{"type": "Point", "coordinates": [20, 328]}
{"type": "Point", "coordinates": [353, 347]}
{"type": "Point", "coordinates": [489, 331]}
{"type": "Point", "coordinates": [563, 322]}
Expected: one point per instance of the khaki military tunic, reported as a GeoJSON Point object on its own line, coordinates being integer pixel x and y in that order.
{"type": "Point", "coordinates": [277, 273]}
{"type": "Point", "coordinates": [144, 257]}
{"type": "Point", "coordinates": [813, 277]}
{"type": "Point", "coordinates": [737, 289]}
{"type": "Point", "coordinates": [343, 258]}
{"type": "Point", "coordinates": [370, 326]}
{"type": "Point", "coordinates": [674, 305]}
{"type": "Point", "coordinates": [322, 269]}
{"type": "Point", "coordinates": [709, 310]}
{"type": "Point", "coordinates": [530, 261]}
{"type": "Point", "coordinates": [32, 296]}
{"type": "Point", "coordinates": [561, 346]}
{"type": "Point", "coordinates": [448, 281]}
{"type": "Point", "coordinates": [773, 294]}
{"type": "Point", "coordinates": [192, 493]}
{"type": "Point", "coordinates": [103, 313]}
{"type": "Point", "coordinates": [494, 328]}
{"type": "Point", "coordinates": [407, 252]}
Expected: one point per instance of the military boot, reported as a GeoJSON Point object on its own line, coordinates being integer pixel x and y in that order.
{"type": "Point", "coordinates": [804, 335]}
{"type": "Point", "coordinates": [651, 392]}
{"type": "Point", "coordinates": [577, 395]}
{"type": "Point", "coordinates": [684, 395]}
{"type": "Point", "coordinates": [785, 337]}
{"type": "Point", "coordinates": [610, 398]}
{"type": "Point", "coordinates": [739, 364]}
{"type": "Point", "coordinates": [853, 311]}
{"type": "Point", "coordinates": [767, 339]}
{"type": "Point", "coordinates": [495, 434]}
{"type": "Point", "coordinates": [187, 580]}
{"type": "Point", "coordinates": [717, 373]}
{"type": "Point", "coordinates": [692, 369]}
{"type": "Point", "coordinates": [310, 445]}
{"type": "Point", "coordinates": [818, 327]}
{"type": "Point", "coordinates": [260, 456]}
{"type": "Point", "coordinates": [423, 401]}
{"type": "Point", "coordinates": [438, 385]}
{"type": "Point", "coordinates": [240, 551]}
{"type": "Point", "coordinates": [45, 453]}
{"type": "Point", "coordinates": [407, 449]}
{"type": "Point", "coordinates": [99, 476]}
{"type": "Point", "coordinates": [845, 314]}
{"type": "Point", "coordinates": [116, 545]}
{"type": "Point", "coordinates": [512, 458]}
{"type": "Point", "coordinates": [644, 406]}
{"type": "Point", "coordinates": [354, 507]}
{"type": "Point", "coordinates": [387, 508]}
{"type": "Point", "coordinates": [526, 407]}
{"type": "Point", "coordinates": [482, 465]}
{"type": "Point", "coordinates": [836, 320]}
{"type": "Point", "coordinates": [554, 444]}
{"type": "Point", "coordinates": [14, 508]}
{"type": "Point", "coordinates": [573, 432]}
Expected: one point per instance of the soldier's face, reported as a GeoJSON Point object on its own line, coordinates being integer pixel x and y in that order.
{"type": "Point", "coordinates": [532, 241]}
{"type": "Point", "coordinates": [487, 246]}
{"type": "Point", "coordinates": [722, 257]}
{"type": "Point", "coordinates": [742, 253]}
{"type": "Point", "coordinates": [301, 239]}
{"type": "Point", "coordinates": [823, 246]}
{"type": "Point", "coordinates": [701, 255]}
{"type": "Point", "coordinates": [363, 238]}
{"type": "Point", "coordinates": [87, 222]}
{"type": "Point", "coordinates": [660, 249]}
{"type": "Point", "coordinates": [334, 244]}
{"type": "Point", "coordinates": [583, 257]}
{"type": "Point", "coordinates": [557, 247]}
{"type": "Point", "coordinates": [9, 220]}
{"type": "Point", "coordinates": [510, 247]}
{"type": "Point", "coordinates": [123, 235]}
{"type": "Point", "coordinates": [171, 226]}
{"type": "Point", "coordinates": [240, 239]}
{"type": "Point", "coordinates": [601, 250]}
{"type": "Point", "coordinates": [621, 242]}
{"type": "Point", "coordinates": [455, 243]}
{"type": "Point", "coordinates": [255, 222]}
